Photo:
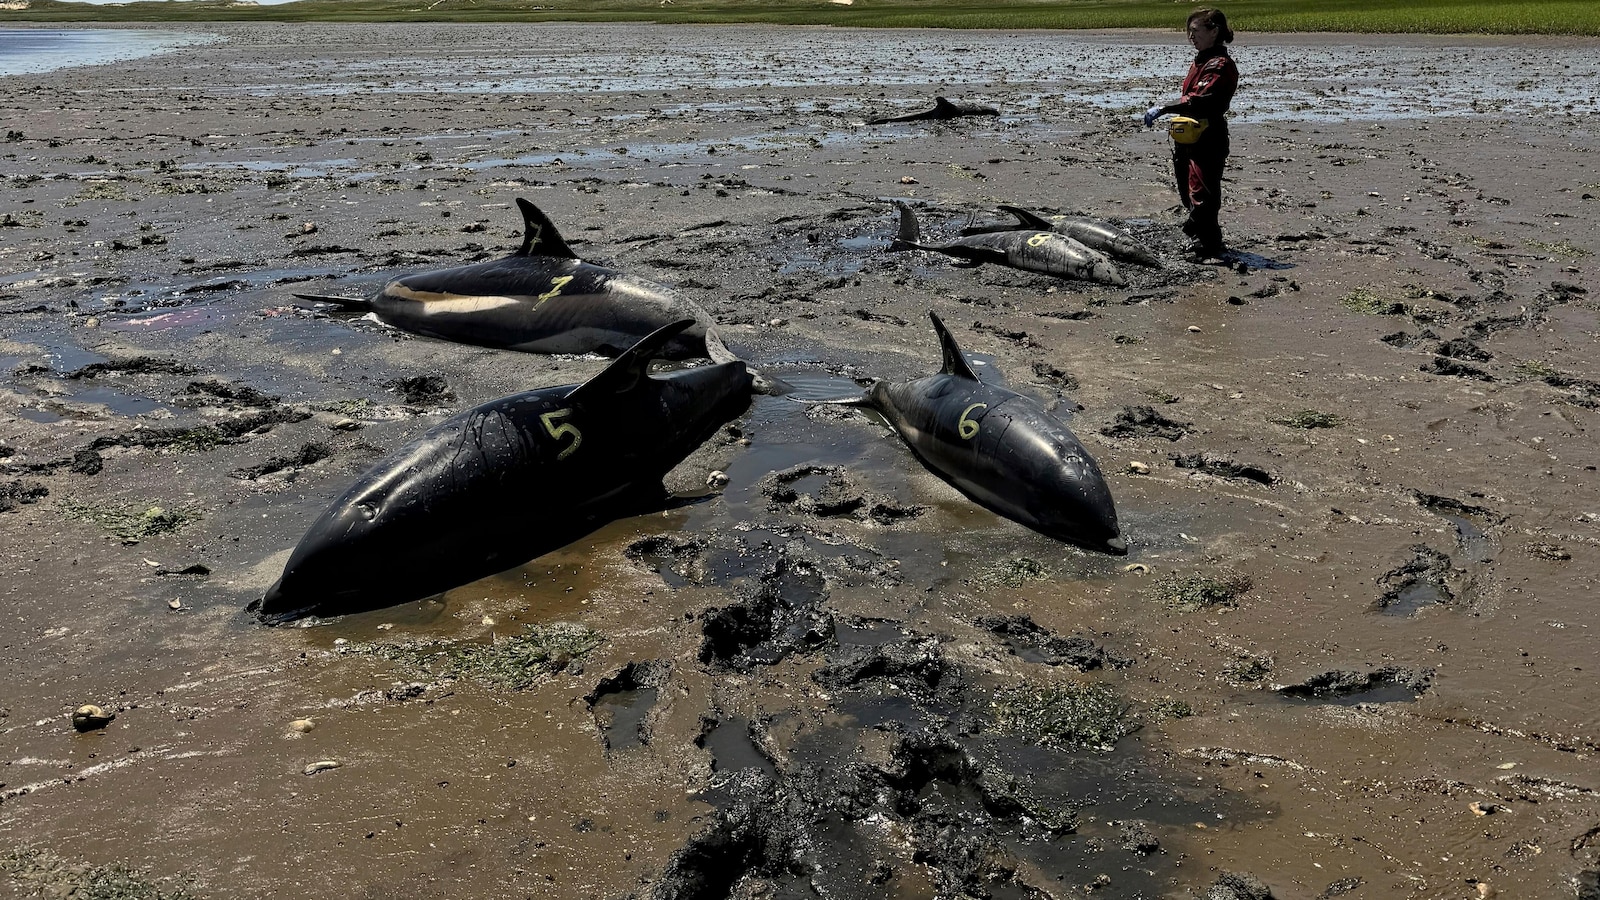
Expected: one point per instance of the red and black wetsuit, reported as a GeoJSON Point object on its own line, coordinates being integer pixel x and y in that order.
{"type": "Point", "coordinates": [1207, 93]}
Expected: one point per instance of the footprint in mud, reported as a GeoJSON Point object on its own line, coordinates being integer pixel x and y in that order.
{"type": "Point", "coordinates": [1472, 524]}
{"type": "Point", "coordinates": [622, 702]}
{"type": "Point", "coordinates": [1424, 581]}
{"type": "Point", "coordinates": [680, 561]}
{"type": "Point", "coordinates": [783, 616]}
{"type": "Point", "coordinates": [1389, 684]}
{"type": "Point", "coordinates": [732, 745]}
{"type": "Point", "coordinates": [829, 492]}
{"type": "Point", "coordinates": [1031, 642]}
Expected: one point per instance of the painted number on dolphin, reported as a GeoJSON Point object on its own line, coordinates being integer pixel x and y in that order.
{"type": "Point", "coordinates": [560, 431]}
{"type": "Point", "coordinates": [1038, 239]}
{"type": "Point", "coordinates": [556, 284]}
{"type": "Point", "coordinates": [966, 427]}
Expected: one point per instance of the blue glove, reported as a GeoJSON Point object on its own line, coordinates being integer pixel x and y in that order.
{"type": "Point", "coordinates": [1151, 115]}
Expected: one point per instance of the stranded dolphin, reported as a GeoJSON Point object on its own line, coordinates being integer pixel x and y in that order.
{"type": "Point", "coordinates": [504, 482]}
{"type": "Point", "coordinates": [1001, 449]}
{"type": "Point", "coordinates": [1033, 251]}
{"type": "Point", "coordinates": [942, 109]}
{"type": "Point", "coordinates": [1088, 232]}
{"type": "Point", "coordinates": [541, 299]}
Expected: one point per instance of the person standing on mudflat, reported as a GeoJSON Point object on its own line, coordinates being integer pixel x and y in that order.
{"type": "Point", "coordinates": [1199, 128]}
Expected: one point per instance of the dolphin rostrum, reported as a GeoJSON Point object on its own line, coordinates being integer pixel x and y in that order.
{"type": "Point", "coordinates": [541, 299]}
{"type": "Point", "coordinates": [942, 109]}
{"type": "Point", "coordinates": [1001, 449]}
{"type": "Point", "coordinates": [506, 481]}
{"type": "Point", "coordinates": [1032, 251]}
{"type": "Point", "coordinates": [1092, 234]}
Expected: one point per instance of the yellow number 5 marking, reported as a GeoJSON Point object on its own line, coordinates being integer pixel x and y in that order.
{"type": "Point", "coordinates": [560, 431]}
{"type": "Point", "coordinates": [555, 291]}
{"type": "Point", "coordinates": [1038, 239]}
{"type": "Point", "coordinates": [966, 427]}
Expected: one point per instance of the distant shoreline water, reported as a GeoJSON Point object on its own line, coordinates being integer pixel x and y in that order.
{"type": "Point", "coordinates": [32, 51]}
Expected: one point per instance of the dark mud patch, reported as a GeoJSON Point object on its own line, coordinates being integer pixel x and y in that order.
{"type": "Point", "coordinates": [1221, 467]}
{"type": "Point", "coordinates": [423, 390]}
{"type": "Point", "coordinates": [20, 493]}
{"type": "Point", "coordinates": [1308, 419]}
{"type": "Point", "coordinates": [200, 394]}
{"type": "Point", "coordinates": [138, 365]}
{"type": "Point", "coordinates": [1238, 886]}
{"type": "Point", "coordinates": [1388, 684]}
{"type": "Point", "coordinates": [1426, 580]}
{"type": "Point", "coordinates": [1441, 365]}
{"type": "Point", "coordinates": [1144, 421]}
{"type": "Point", "coordinates": [830, 492]}
{"type": "Point", "coordinates": [1027, 640]}
{"type": "Point", "coordinates": [784, 615]}
{"type": "Point", "coordinates": [203, 437]}
{"type": "Point", "coordinates": [680, 561]}
{"type": "Point", "coordinates": [308, 454]}
{"type": "Point", "coordinates": [621, 704]}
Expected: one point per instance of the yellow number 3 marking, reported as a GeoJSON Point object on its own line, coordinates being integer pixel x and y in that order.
{"type": "Point", "coordinates": [1038, 239]}
{"type": "Point", "coordinates": [560, 431]}
{"type": "Point", "coordinates": [555, 291]}
{"type": "Point", "coordinates": [966, 427]}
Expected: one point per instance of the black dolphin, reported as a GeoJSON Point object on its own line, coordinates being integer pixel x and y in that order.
{"type": "Point", "coordinates": [506, 481]}
{"type": "Point", "coordinates": [942, 109]}
{"type": "Point", "coordinates": [1001, 449]}
{"type": "Point", "coordinates": [1095, 235]}
{"type": "Point", "coordinates": [1041, 251]}
{"type": "Point", "coordinates": [541, 299]}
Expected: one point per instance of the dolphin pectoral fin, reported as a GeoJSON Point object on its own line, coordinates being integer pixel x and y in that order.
{"type": "Point", "coordinates": [955, 362]}
{"type": "Point", "coordinates": [539, 235]}
{"type": "Point", "coordinates": [352, 302]}
{"type": "Point", "coordinates": [628, 369]}
{"type": "Point", "coordinates": [1031, 220]}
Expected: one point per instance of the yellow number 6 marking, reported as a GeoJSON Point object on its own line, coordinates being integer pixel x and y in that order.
{"type": "Point", "coordinates": [555, 291]}
{"type": "Point", "coordinates": [1038, 239]}
{"type": "Point", "coordinates": [966, 427]}
{"type": "Point", "coordinates": [560, 431]}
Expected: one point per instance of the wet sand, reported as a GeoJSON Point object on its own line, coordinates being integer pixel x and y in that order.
{"type": "Point", "coordinates": [1374, 434]}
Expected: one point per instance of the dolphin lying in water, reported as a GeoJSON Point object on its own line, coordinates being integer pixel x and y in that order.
{"type": "Point", "coordinates": [1001, 449]}
{"type": "Point", "coordinates": [942, 109]}
{"type": "Point", "coordinates": [504, 482]}
{"type": "Point", "coordinates": [541, 299]}
{"type": "Point", "coordinates": [1041, 251]}
{"type": "Point", "coordinates": [1092, 234]}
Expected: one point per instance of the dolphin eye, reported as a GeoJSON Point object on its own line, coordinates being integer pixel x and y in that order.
{"type": "Point", "coordinates": [367, 510]}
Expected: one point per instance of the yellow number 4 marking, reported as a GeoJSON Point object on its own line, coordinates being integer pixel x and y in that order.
{"type": "Point", "coordinates": [560, 431]}
{"type": "Point", "coordinates": [1038, 239]}
{"type": "Point", "coordinates": [966, 427]}
{"type": "Point", "coordinates": [555, 291]}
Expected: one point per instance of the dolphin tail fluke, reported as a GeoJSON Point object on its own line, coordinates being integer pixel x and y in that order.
{"type": "Point", "coordinates": [1028, 219]}
{"type": "Point", "coordinates": [351, 302]}
{"type": "Point", "coordinates": [719, 353]}
{"type": "Point", "coordinates": [909, 236]}
{"type": "Point", "coordinates": [955, 362]}
{"type": "Point", "coordinates": [539, 234]}
{"type": "Point", "coordinates": [628, 369]}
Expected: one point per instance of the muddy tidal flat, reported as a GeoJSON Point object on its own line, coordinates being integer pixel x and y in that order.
{"type": "Point", "coordinates": [1351, 652]}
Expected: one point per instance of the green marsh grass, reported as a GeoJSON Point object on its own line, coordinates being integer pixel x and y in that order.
{"type": "Point", "coordinates": [1576, 17]}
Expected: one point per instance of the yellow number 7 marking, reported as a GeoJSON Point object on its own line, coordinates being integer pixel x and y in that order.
{"type": "Point", "coordinates": [555, 290]}
{"type": "Point", "coordinates": [560, 431]}
{"type": "Point", "coordinates": [965, 426]}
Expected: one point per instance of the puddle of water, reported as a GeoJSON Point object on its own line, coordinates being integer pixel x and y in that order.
{"type": "Point", "coordinates": [119, 402]}
{"type": "Point", "coordinates": [621, 716]}
{"type": "Point", "coordinates": [1474, 541]}
{"type": "Point", "coordinates": [42, 416]}
{"type": "Point", "coordinates": [35, 50]}
{"type": "Point", "coordinates": [1413, 596]}
{"type": "Point", "coordinates": [733, 749]}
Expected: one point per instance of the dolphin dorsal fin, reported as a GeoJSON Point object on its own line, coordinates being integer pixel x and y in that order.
{"type": "Point", "coordinates": [1032, 220]}
{"type": "Point", "coordinates": [910, 232]}
{"type": "Point", "coordinates": [943, 104]}
{"type": "Point", "coordinates": [539, 234]}
{"type": "Point", "coordinates": [628, 369]}
{"type": "Point", "coordinates": [955, 362]}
